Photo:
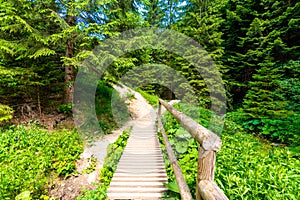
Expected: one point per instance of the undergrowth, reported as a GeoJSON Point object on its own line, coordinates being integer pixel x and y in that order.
{"type": "Point", "coordinates": [108, 119]}
{"type": "Point", "coordinates": [152, 99]}
{"type": "Point", "coordinates": [114, 153]}
{"type": "Point", "coordinates": [30, 156]}
{"type": "Point", "coordinates": [246, 167]}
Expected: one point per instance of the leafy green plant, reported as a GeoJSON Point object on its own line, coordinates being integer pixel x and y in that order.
{"type": "Point", "coordinates": [91, 167]}
{"type": "Point", "coordinates": [29, 156]}
{"type": "Point", "coordinates": [5, 113]}
{"type": "Point", "coordinates": [65, 108]}
{"type": "Point", "coordinates": [24, 196]}
{"type": "Point", "coordinates": [108, 119]}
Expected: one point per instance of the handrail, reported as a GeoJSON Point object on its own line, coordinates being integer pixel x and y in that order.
{"type": "Point", "coordinates": [183, 187]}
{"type": "Point", "coordinates": [206, 188]}
{"type": "Point", "coordinates": [207, 139]}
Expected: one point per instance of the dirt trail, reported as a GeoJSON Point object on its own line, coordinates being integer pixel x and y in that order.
{"type": "Point", "coordinates": [71, 187]}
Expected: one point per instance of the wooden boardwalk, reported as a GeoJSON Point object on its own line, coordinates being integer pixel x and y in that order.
{"type": "Point", "coordinates": [141, 172]}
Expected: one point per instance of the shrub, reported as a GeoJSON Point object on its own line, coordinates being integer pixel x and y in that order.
{"type": "Point", "coordinates": [5, 113]}
{"type": "Point", "coordinates": [65, 108]}
{"type": "Point", "coordinates": [29, 156]}
{"type": "Point", "coordinates": [109, 118]}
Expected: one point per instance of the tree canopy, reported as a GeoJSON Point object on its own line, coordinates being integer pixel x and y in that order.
{"type": "Point", "coordinates": [255, 45]}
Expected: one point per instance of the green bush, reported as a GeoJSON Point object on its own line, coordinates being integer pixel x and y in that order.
{"type": "Point", "coordinates": [109, 120]}
{"type": "Point", "coordinates": [246, 167]}
{"type": "Point", "coordinates": [5, 113]}
{"type": "Point", "coordinates": [284, 130]}
{"type": "Point", "coordinates": [65, 108]}
{"type": "Point", "coordinates": [29, 156]}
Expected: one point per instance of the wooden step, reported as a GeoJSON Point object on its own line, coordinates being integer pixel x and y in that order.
{"type": "Point", "coordinates": [143, 196]}
{"type": "Point", "coordinates": [135, 189]}
{"type": "Point", "coordinates": [140, 184]}
{"type": "Point", "coordinates": [139, 179]}
{"type": "Point", "coordinates": [141, 175]}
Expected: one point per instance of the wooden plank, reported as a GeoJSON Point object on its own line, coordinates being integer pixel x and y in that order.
{"type": "Point", "coordinates": [139, 179]}
{"type": "Point", "coordinates": [143, 196]}
{"type": "Point", "coordinates": [207, 139]}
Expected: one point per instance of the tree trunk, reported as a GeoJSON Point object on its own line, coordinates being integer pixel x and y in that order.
{"type": "Point", "coordinates": [69, 69]}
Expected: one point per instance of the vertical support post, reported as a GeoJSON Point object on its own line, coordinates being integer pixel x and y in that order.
{"type": "Point", "coordinates": [158, 116]}
{"type": "Point", "coordinates": [206, 168]}
{"type": "Point", "coordinates": [159, 109]}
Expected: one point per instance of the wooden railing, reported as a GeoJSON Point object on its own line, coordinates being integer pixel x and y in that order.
{"type": "Point", "coordinates": [206, 188]}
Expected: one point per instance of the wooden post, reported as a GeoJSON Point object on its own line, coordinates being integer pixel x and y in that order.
{"type": "Point", "coordinates": [206, 164]}
{"type": "Point", "coordinates": [210, 191]}
{"type": "Point", "coordinates": [206, 188]}
{"type": "Point", "coordinates": [206, 167]}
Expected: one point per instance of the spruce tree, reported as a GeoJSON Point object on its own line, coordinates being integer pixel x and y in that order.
{"type": "Point", "coordinates": [274, 48]}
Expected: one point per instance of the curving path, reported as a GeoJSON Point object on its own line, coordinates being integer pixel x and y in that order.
{"type": "Point", "coordinates": [141, 172]}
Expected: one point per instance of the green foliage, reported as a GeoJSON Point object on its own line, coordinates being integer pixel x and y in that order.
{"type": "Point", "coordinates": [114, 153]}
{"type": "Point", "coordinates": [281, 130]}
{"type": "Point", "coordinates": [152, 99]}
{"type": "Point", "coordinates": [172, 186]}
{"type": "Point", "coordinates": [270, 107]}
{"type": "Point", "coordinates": [65, 108]}
{"type": "Point", "coordinates": [110, 118]}
{"type": "Point", "coordinates": [91, 167]}
{"type": "Point", "coordinates": [24, 196]}
{"type": "Point", "coordinates": [256, 170]}
{"type": "Point", "coordinates": [29, 156]}
{"type": "Point", "coordinates": [33, 50]}
{"type": "Point", "coordinates": [246, 167]}
{"type": "Point", "coordinates": [159, 13]}
{"type": "Point", "coordinates": [5, 113]}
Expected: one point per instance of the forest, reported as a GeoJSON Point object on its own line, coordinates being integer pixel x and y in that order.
{"type": "Point", "coordinates": [255, 45]}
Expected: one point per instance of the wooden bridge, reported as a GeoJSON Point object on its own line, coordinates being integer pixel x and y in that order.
{"type": "Point", "coordinates": [141, 173]}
